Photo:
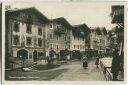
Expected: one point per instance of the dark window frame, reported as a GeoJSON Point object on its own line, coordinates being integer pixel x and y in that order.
{"type": "Point", "coordinates": [28, 41]}
{"type": "Point", "coordinates": [16, 39]}
{"type": "Point", "coordinates": [29, 28]}
{"type": "Point", "coordinates": [16, 27]}
{"type": "Point", "coordinates": [40, 42]}
{"type": "Point", "coordinates": [40, 31]}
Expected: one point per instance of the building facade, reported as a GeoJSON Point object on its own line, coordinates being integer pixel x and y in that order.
{"type": "Point", "coordinates": [58, 35]}
{"type": "Point", "coordinates": [25, 34]}
{"type": "Point", "coordinates": [98, 42]}
{"type": "Point", "coordinates": [29, 34]}
{"type": "Point", "coordinates": [78, 37]}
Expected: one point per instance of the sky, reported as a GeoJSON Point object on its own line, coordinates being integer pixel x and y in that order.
{"type": "Point", "coordinates": [92, 14]}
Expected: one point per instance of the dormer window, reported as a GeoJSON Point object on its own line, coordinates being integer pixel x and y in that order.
{"type": "Point", "coordinates": [16, 27]}
{"type": "Point", "coordinates": [29, 29]}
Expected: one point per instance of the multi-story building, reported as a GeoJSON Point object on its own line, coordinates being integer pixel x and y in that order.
{"type": "Point", "coordinates": [78, 38]}
{"type": "Point", "coordinates": [29, 34]}
{"type": "Point", "coordinates": [98, 42]}
{"type": "Point", "coordinates": [58, 34]}
{"type": "Point", "coordinates": [25, 34]}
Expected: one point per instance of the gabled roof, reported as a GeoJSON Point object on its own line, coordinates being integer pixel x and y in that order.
{"type": "Point", "coordinates": [81, 30]}
{"type": "Point", "coordinates": [81, 26]}
{"type": "Point", "coordinates": [31, 10]}
{"type": "Point", "coordinates": [62, 21]}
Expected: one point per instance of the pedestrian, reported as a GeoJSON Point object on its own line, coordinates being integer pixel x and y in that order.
{"type": "Point", "coordinates": [97, 62]}
{"type": "Point", "coordinates": [58, 57]}
{"type": "Point", "coordinates": [68, 58]}
{"type": "Point", "coordinates": [52, 53]}
{"type": "Point", "coordinates": [47, 56]}
{"type": "Point", "coordinates": [85, 64]}
{"type": "Point", "coordinates": [115, 64]}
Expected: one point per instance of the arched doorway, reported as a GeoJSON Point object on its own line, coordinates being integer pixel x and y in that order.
{"type": "Point", "coordinates": [23, 54]}
{"type": "Point", "coordinates": [35, 56]}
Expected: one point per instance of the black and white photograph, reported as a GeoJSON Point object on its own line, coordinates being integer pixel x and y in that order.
{"type": "Point", "coordinates": [67, 41]}
{"type": "Point", "coordinates": [0, 40]}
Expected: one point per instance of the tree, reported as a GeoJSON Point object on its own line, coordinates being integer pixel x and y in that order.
{"type": "Point", "coordinates": [110, 33]}
{"type": "Point", "coordinates": [98, 31]}
{"type": "Point", "coordinates": [104, 31]}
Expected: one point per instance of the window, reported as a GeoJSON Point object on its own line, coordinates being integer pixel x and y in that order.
{"type": "Point", "coordinates": [83, 39]}
{"type": "Point", "coordinates": [16, 40]}
{"type": "Point", "coordinates": [74, 37]}
{"type": "Point", "coordinates": [51, 45]}
{"type": "Point", "coordinates": [30, 55]}
{"type": "Point", "coordinates": [65, 38]}
{"type": "Point", "coordinates": [39, 31]}
{"type": "Point", "coordinates": [57, 38]}
{"type": "Point", "coordinates": [29, 29]}
{"type": "Point", "coordinates": [78, 46]}
{"type": "Point", "coordinates": [74, 46]}
{"type": "Point", "coordinates": [57, 27]}
{"type": "Point", "coordinates": [81, 46]}
{"type": "Point", "coordinates": [57, 47]}
{"type": "Point", "coordinates": [16, 27]}
{"type": "Point", "coordinates": [50, 25]}
{"type": "Point", "coordinates": [69, 37]}
{"type": "Point", "coordinates": [51, 36]}
{"type": "Point", "coordinates": [29, 41]}
{"type": "Point", "coordinates": [69, 46]}
{"type": "Point", "coordinates": [40, 42]}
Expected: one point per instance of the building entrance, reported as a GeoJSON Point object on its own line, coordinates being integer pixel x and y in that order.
{"type": "Point", "coordinates": [23, 54]}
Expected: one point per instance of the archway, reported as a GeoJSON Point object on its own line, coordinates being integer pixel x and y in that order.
{"type": "Point", "coordinates": [23, 54]}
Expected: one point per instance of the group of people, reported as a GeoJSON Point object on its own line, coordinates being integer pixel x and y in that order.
{"type": "Point", "coordinates": [85, 62]}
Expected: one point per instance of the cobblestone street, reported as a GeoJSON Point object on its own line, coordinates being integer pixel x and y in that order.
{"type": "Point", "coordinates": [77, 73]}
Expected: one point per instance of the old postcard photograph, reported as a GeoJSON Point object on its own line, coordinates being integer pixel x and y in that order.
{"type": "Point", "coordinates": [0, 39]}
{"type": "Point", "coordinates": [67, 41]}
